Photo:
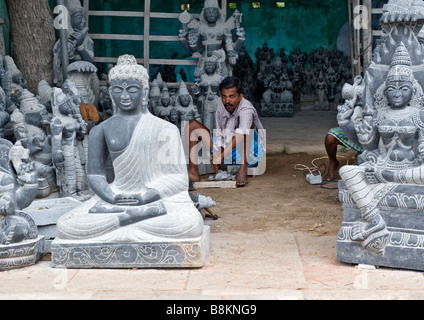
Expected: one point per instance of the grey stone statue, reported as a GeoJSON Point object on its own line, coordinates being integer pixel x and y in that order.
{"type": "Point", "coordinates": [383, 195]}
{"type": "Point", "coordinates": [201, 38]}
{"type": "Point", "coordinates": [145, 216]}
{"type": "Point", "coordinates": [32, 129]}
{"type": "Point", "coordinates": [67, 128]}
{"type": "Point", "coordinates": [80, 47]}
{"type": "Point", "coordinates": [277, 100]}
{"type": "Point", "coordinates": [20, 244]}
{"type": "Point", "coordinates": [185, 107]}
{"type": "Point", "coordinates": [206, 87]}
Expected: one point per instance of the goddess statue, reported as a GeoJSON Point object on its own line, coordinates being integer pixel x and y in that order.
{"type": "Point", "coordinates": [389, 134]}
{"type": "Point", "coordinates": [148, 198]}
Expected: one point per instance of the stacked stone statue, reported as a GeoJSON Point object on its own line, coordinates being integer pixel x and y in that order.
{"type": "Point", "coordinates": [210, 40]}
{"type": "Point", "coordinates": [145, 216]}
{"type": "Point", "coordinates": [384, 112]}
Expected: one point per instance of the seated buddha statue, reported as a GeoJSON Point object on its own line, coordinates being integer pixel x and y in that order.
{"type": "Point", "coordinates": [148, 197]}
{"type": "Point", "coordinates": [392, 134]}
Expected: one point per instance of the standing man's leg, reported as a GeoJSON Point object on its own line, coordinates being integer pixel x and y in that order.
{"type": "Point", "coordinates": [331, 144]}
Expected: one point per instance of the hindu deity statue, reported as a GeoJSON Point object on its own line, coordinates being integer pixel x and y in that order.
{"type": "Point", "coordinates": [80, 47]}
{"type": "Point", "coordinates": [321, 93]}
{"type": "Point", "coordinates": [163, 110]}
{"type": "Point", "coordinates": [201, 38]}
{"type": "Point", "coordinates": [206, 88]}
{"type": "Point", "coordinates": [148, 202]}
{"type": "Point", "coordinates": [277, 100]}
{"type": "Point", "coordinates": [389, 132]}
{"type": "Point", "coordinates": [382, 196]}
{"type": "Point", "coordinates": [185, 107]}
{"type": "Point", "coordinates": [18, 186]}
{"type": "Point", "coordinates": [67, 128]}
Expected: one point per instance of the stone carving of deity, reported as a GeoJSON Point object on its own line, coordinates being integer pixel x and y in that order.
{"type": "Point", "coordinates": [201, 38]}
{"type": "Point", "coordinates": [67, 128]}
{"type": "Point", "coordinates": [277, 100]}
{"type": "Point", "coordinates": [80, 47]}
{"type": "Point", "coordinates": [144, 203]}
{"type": "Point", "coordinates": [163, 109]}
{"type": "Point", "coordinates": [321, 93]}
{"type": "Point", "coordinates": [206, 88]}
{"type": "Point", "coordinates": [17, 191]}
{"type": "Point", "coordinates": [384, 114]}
{"type": "Point", "coordinates": [185, 107]}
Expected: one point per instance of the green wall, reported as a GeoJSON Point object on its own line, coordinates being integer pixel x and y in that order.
{"type": "Point", "coordinates": [301, 24]}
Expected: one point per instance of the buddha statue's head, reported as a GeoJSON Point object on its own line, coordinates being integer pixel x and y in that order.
{"type": "Point", "coordinates": [129, 84]}
{"type": "Point", "coordinates": [400, 79]}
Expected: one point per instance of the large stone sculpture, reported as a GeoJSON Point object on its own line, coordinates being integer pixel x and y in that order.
{"type": "Point", "coordinates": [20, 244]}
{"type": "Point", "coordinates": [201, 38]}
{"type": "Point", "coordinates": [145, 217]}
{"type": "Point", "coordinates": [383, 196]}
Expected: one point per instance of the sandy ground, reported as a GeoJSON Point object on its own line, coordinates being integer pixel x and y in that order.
{"type": "Point", "coordinates": [281, 199]}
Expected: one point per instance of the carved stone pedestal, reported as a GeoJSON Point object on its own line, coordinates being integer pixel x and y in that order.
{"type": "Point", "coordinates": [403, 213]}
{"type": "Point", "coordinates": [22, 254]}
{"type": "Point", "coordinates": [169, 253]}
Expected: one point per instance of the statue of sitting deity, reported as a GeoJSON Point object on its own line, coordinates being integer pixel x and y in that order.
{"type": "Point", "coordinates": [277, 100]}
{"type": "Point", "coordinates": [206, 88]}
{"type": "Point", "coordinates": [185, 107]}
{"type": "Point", "coordinates": [32, 129]}
{"type": "Point", "coordinates": [211, 33]}
{"type": "Point", "coordinates": [392, 133]}
{"type": "Point", "coordinates": [18, 187]}
{"type": "Point", "coordinates": [67, 127]}
{"type": "Point", "coordinates": [143, 202]}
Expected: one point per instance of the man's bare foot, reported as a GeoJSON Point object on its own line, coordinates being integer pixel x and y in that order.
{"type": "Point", "coordinates": [193, 174]}
{"type": "Point", "coordinates": [332, 171]}
{"type": "Point", "coordinates": [241, 178]}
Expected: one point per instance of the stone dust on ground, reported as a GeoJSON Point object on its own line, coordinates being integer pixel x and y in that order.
{"type": "Point", "coordinates": [281, 198]}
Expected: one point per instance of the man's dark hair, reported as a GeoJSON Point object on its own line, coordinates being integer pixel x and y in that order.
{"type": "Point", "coordinates": [231, 82]}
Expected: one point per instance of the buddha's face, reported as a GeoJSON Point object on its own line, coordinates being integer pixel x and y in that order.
{"type": "Point", "coordinates": [399, 93]}
{"type": "Point", "coordinates": [211, 14]}
{"type": "Point", "coordinates": [127, 94]}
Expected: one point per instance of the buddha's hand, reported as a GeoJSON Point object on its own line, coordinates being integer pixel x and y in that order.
{"type": "Point", "coordinates": [129, 200]}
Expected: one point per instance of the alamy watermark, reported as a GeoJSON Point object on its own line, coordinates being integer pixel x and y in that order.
{"type": "Point", "coordinates": [361, 17]}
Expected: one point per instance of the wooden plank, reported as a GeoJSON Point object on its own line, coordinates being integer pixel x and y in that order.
{"type": "Point", "coordinates": [230, 184]}
{"type": "Point", "coordinates": [136, 14]}
{"type": "Point", "coordinates": [104, 36]}
{"type": "Point", "coordinates": [367, 36]}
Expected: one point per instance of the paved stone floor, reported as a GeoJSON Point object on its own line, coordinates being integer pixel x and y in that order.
{"type": "Point", "coordinates": [255, 265]}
